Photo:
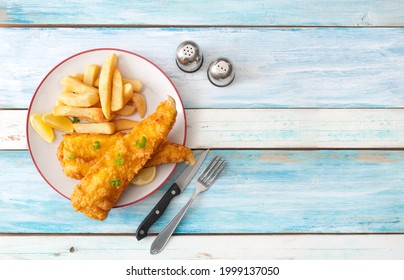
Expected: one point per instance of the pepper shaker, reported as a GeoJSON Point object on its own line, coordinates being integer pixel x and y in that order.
{"type": "Point", "coordinates": [221, 72]}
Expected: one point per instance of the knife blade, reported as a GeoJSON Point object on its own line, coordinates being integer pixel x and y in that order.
{"type": "Point", "coordinates": [176, 188]}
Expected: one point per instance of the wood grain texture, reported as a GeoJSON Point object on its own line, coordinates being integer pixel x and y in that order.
{"type": "Point", "coordinates": [12, 129]}
{"type": "Point", "coordinates": [189, 247]}
{"type": "Point", "coordinates": [281, 72]}
{"type": "Point", "coordinates": [275, 68]}
{"type": "Point", "coordinates": [261, 191]}
{"type": "Point", "coordinates": [225, 12]}
{"type": "Point", "coordinates": [296, 128]}
{"type": "Point", "coordinates": [266, 128]}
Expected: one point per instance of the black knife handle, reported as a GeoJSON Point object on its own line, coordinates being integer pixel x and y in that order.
{"type": "Point", "coordinates": [157, 211]}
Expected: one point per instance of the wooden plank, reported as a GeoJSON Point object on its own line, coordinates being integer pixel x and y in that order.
{"type": "Point", "coordinates": [190, 247]}
{"type": "Point", "coordinates": [266, 128]}
{"type": "Point", "coordinates": [275, 67]}
{"type": "Point", "coordinates": [12, 129]}
{"type": "Point", "coordinates": [291, 128]}
{"type": "Point", "coordinates": [261, 191]}
{"type": "Point", "coordinates": [226, 12]}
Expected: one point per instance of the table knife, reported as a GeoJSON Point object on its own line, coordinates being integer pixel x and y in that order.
{"type": "Point", "coordinates": [179, 185]}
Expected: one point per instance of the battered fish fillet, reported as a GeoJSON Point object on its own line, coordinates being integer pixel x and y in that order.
{"type": "Point", "coordinates": [100, 189]}
{"type": "Point", "coordinates": [78, 152]}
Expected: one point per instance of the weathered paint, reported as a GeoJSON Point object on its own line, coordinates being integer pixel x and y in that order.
{"type": "Point", "coordinates": [275, 68]}
{"type": "Point", "coordinates": [225, 12]}
{"type": "Point", "coordinates": [279, 64]}
{"type": "Point", "coordinates": [265, 128]}
{"type": "Point", "coordinates": [299, 191]}
{"type": "Point", "coordinates": [205, 247]}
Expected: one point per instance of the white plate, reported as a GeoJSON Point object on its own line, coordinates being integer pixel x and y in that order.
{"type": "Point", "coordinates": [156, 87]}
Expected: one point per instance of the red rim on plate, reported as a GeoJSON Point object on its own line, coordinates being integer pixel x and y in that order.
{"type": "Point", "coordinates": [87, 52]}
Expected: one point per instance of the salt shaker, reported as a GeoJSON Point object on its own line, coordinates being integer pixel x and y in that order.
{"type": "Point", "coordinates": [189, 57]}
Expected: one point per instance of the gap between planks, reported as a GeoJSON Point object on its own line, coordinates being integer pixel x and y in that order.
{"type": "Point", "coordinates": [177, 26]}
{"type": "Point", "coordinates": [131, 234]}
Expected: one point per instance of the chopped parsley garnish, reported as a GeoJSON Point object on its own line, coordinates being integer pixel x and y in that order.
{"type": "Point", "coordinates": [96, 145]}
{"type": "Point", "coordinates": [115, 183]}
{"type": "Point", "coordinates": [119, 160]}
{"type": "Point", "coordinates": [76, 120]}
{"type": "Point", "coordinates": [72, 157]}
{"type": "Point", "coordinates": [142, 143]}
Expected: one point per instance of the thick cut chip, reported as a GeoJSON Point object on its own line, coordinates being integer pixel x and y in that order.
{"type": "Point", "coordinates": [86, 99]}
{"type": "Point", "coordinates": [124, 124]}
{"type": "Point", "coordinates": [140, 102]}
{"type": "Point", "coordinates": [88, 114]}
{"type": "Point", "coordinates": [127, 93]}
{"type": "Point", "coordinates": [127, 110]}
{"type": "Point", "coordinates": [78, 76]}
{"type": "Point", "coordinates": [91, 74]}
{"type": "Point", "coordinates": [102, 127]}
{"type": "Point", "coordinates": [136, 84]}
{"type": "Point", "coordinates": [117, 91]}
{"type": "Point", "coordinates": [105, 84]}
{"type": "Point", "coordinates": [77, 86]}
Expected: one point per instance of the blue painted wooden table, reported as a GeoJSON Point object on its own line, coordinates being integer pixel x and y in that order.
{"type": "Point", "coordinates": [312, 128]}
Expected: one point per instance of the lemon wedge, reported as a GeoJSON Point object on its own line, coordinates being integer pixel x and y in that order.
{"type": "Point", "coordinates": [42, 128]}
{"type": "Point", "coordinates": [58, 122]}
{"type": "Point", "coordinates": [145, 176]}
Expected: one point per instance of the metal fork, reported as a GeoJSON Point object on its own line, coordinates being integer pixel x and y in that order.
{"type": "Point", "coordinates": [204, 182]}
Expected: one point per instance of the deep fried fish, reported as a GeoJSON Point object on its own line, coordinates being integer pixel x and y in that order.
{"type": "Point", "coordinates": [78, 152]}
{"type": "Point", "coordinates": [107, 179]}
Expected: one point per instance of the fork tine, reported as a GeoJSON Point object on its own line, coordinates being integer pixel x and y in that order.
{"type": "Point", "coordinates": [215, 173]}
{"type": "Point", "coordinates": [207, 170]}
{"type": "Point", "coordinates": [210, 174]}
{"type": "Point", "coordinates": [212, 168]}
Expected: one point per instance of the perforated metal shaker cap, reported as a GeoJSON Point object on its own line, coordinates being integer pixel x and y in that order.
{"type": "Point", "coordinates": [189, 57]}
{"type": "Point", "coordinates": [221, 72]}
